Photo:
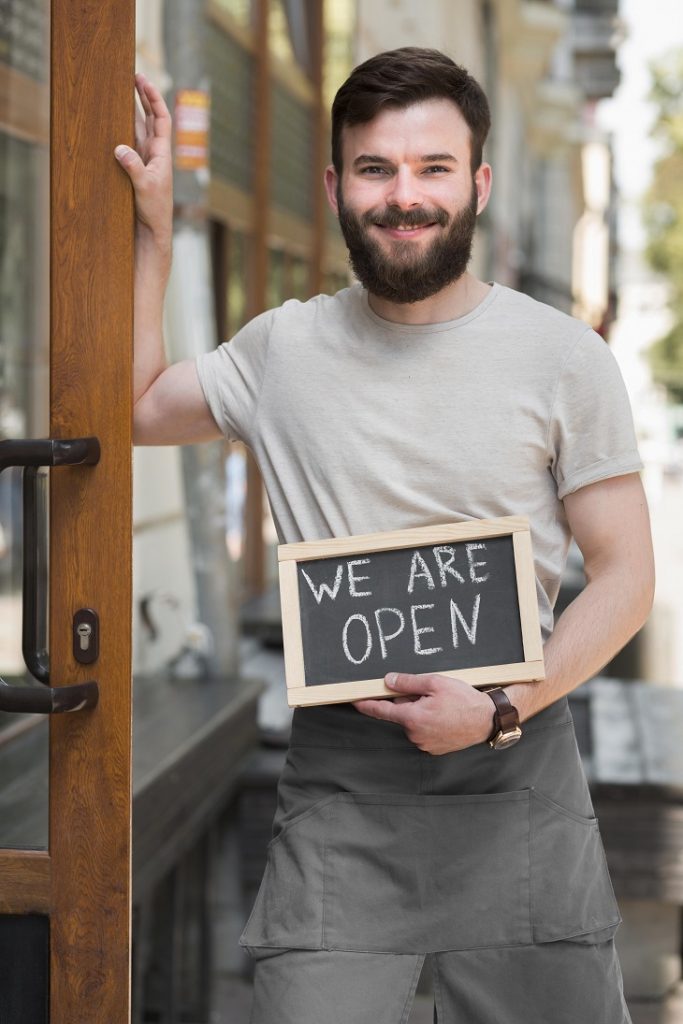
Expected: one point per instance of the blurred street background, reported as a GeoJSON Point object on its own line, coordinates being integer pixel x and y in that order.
{"type": "Point", "coordinates": [586, 214]}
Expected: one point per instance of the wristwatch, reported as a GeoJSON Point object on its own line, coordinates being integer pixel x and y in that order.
{"type": "Point", "coordinates": [506, 727]}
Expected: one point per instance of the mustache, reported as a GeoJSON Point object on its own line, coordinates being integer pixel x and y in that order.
{"type": "Point", "coordinates": [390, 217]}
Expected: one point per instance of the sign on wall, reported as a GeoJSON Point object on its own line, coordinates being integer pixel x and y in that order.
{"type": "Point", "coordinates": [191, 123]}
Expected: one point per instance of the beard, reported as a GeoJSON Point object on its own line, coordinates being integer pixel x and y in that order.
{"type": "Point", "coordinates": [409, 273]}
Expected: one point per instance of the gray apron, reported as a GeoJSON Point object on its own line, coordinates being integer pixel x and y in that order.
{"type": "Point", "coordinates": [380, 847]}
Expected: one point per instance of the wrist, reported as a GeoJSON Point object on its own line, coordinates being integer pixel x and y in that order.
{"type": "Point", "coordinates": [522, 696]}
{"type": "Point", "coordinates": [153, 243]}
{"type": "Point", "coordinates": [487, 723]}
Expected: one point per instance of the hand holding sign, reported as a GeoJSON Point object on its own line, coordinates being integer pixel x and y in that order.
{"type": "Point", "coordinates": [438, 713]}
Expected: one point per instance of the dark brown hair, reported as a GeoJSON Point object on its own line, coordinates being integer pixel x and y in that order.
{"type": "Point", "coordinates": [399, 78]}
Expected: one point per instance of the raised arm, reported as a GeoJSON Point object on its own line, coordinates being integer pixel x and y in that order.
{"type": "Point", "coordinates": [170, 407]}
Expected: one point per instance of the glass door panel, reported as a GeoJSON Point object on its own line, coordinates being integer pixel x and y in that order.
{"type": "Point", "coordinates": [24, 384]}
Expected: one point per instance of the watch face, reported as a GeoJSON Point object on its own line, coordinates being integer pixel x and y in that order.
{"type": "Point", "coordinates": [506, 739]}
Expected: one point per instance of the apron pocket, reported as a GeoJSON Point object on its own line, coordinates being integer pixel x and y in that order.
{"type": "Point", "coordinates": [571, 891]}
{"type": "Point", "coordinates": [425, 873]}
{"type": "Point", "coordinates": [288, 911]}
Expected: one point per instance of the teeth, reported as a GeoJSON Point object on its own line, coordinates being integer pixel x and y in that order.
{"type": "Point", "coordinates": [416, 227]}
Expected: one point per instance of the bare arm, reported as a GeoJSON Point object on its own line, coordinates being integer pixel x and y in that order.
{"type": "Point", "coordinates": [170, 407]}
{"type": "Point", "coordinates": [611, 525]}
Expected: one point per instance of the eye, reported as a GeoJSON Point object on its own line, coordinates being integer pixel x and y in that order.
{"type": "Point", "coordinates": [437, 169]}
{"type": "Point", "coordinates": [373, 169]}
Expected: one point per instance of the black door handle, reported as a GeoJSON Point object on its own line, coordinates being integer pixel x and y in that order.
{"type": "Point", "coordinates": [48, 700]}
{"type": "Point", "coordinates": [46, 451]}
{"type": "Point", "coordinates": [34, 580]}
{"type": "Point", "coordinates": [32, 454]}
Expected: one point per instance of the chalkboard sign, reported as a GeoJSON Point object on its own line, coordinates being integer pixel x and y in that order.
{"type": "Point", "coordinates": [458, 599]}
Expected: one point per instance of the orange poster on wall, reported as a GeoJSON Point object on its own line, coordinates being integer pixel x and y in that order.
{"type": "Point", "coordinates": [191, 122]}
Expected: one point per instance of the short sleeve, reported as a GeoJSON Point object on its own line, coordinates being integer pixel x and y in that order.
{"type": "Point", "coordinates": [231, 378]}
{"type": "Point", "coordinates": [590, 434]}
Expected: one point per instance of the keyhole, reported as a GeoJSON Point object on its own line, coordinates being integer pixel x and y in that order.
{"type": "Point", "coordinates": [84, 633]}
{"type": "Point", "coordinates": [85, 636]}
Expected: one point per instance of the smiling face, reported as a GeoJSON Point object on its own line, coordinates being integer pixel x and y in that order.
{"type": "Point", "coordinates": [407, 200]}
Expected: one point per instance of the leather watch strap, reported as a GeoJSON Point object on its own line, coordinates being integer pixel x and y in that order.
{"type": "Point", "coordinates": [506, 724]}
{"type": "Point", "coordinates": [506, 716]}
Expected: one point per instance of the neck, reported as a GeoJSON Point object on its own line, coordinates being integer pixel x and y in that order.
{"type": "Point", "coordinates": [455, 300]}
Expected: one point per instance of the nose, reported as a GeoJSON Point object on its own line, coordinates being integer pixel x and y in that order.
{"type": "Point", "coordinates": [403, 190]}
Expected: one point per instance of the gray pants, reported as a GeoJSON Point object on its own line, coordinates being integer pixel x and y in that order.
{"type": "Point", "coordinates": [491, 862]}
{"type": "Point", "coordinates": [550, 983]}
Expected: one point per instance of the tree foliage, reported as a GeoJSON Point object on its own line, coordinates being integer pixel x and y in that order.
{"type": "Point", "coordinates": [663, 214]}
{"type": "Point", "coordinates": [666, 361]}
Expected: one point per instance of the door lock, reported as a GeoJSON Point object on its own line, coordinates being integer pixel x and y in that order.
{"type": "Point", "coordinates": [84, 633]}
{"type": "Point", "coordinates": [86, 636]}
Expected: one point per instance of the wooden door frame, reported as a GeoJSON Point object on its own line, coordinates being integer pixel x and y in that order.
{"type": "Point", "coordinates": [82, 882]}
{"type": "Point", "coordinates": [91, 288]}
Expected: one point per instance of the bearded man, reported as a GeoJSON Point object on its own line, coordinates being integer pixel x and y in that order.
{"type": "Point", "coordinates": [415, 827]}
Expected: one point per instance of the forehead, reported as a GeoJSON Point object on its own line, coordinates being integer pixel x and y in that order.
{"type": "Point", "coordinates": [432, 126]}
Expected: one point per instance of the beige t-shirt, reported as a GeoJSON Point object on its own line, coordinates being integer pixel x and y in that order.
{"type": "Point", "coordinates": [361, 425]}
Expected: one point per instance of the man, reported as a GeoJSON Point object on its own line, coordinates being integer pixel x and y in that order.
{"type": "Point", "coordinates": [423, 395]}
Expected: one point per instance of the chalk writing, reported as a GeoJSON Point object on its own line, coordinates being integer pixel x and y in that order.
{"type": "Point", "coordinates": [410, 609]}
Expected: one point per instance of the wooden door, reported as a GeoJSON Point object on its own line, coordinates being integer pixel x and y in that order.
{"type": "Point", "coordinates": [74, 897]}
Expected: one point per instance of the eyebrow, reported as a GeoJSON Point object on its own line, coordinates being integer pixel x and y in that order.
{"type": "Point", "coordinates": [368, 158]}
{"type": "Point", "coordinates": [441, 158]}
{"type": "Point", "coordinates": [429, 158]}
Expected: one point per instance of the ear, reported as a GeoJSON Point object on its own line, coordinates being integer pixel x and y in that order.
{"type": "Point", "coordinates": [331, 182]}
{"type": "Point", "coordinates": [483, 179]}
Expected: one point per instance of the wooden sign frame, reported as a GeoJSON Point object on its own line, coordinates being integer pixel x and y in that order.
{"type": "Point", "coordinates": [289, 555]}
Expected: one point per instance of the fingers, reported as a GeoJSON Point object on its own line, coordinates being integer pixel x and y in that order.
{"type": "Point", "coordinates": [140, 128]}
{"type": "Point", "coordinates": [131, 163]}
{"type": "Point", "coordinates": [405, 682]}
{"type": "Point", "coordinates": [387, 710]}
{"type": "Point", "coordinates": [156, 111]}
{"type": "Point", "coordinates": [139, 138]}
{"type": "Point", "coordinates": [144, 118]}
{"type": "Point", "coordinates": [140, 82]}
{"type": "Point", "coordinates": [153, 125]}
